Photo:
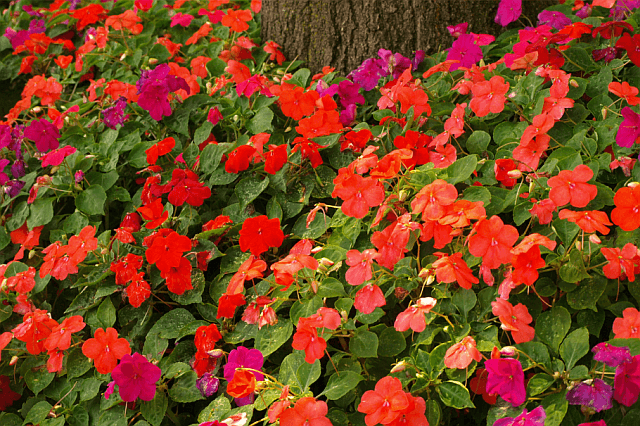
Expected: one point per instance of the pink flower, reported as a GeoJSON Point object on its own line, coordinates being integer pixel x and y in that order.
{"type": "Point", "coordinates": [43, 133]}
{"type": "Point", "coordinates": [535, 417]}
{"type": "Point", "coordinates": [55, 158]}
{"type": "Point", "coordinates": [627, 382]}
{"type": "Point", "coordinates": [464, 50]}
{"type": "Point", "coordinates": [508, 12]}
{"type": "Point", "coordinates": [629, 130]}
{"type": "Point", "coordinates": [144, 5]}
{"type": "Point", "coordinates": [506, 378]}
{"type": "Point", "coordinates": [136, 377]}
{"type": "Point", "coordinates": [214, 116]}
{"type": "Point", "coordinates": [368, 298]}
{"type": "Point", "coordinates": [181, 19]}
{"type": "Point", "coordinates": [458, 29]}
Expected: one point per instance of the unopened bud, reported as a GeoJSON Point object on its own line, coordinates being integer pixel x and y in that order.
{"type": "Point", "coordinates": [13, 361]}
{"type": "Point", "coordinates": [508, 351]}
{"type": "Point", "coordinates": [314, 286]}
{"type": "Point", "coordinates": [326, 262]}
{"type": "Point", "coordinates": [573, 83]}
{"type": "Point", "coordinates": [511, 95]}
{"type": "Point", "coordinates": [604, 113]}
{"type": "Point", "coordinates": [430, 279]}
{"type": "Point", "coordinates": [235, 117]}
{"type": "Point", "coordinates": [54, 169]}
{"type": "Point", "coordinates": [276, 79]}
{"type": "Point", "coordinates": [316, 250]}
{"type": "Point", "coordinates": [124, 55]}
{"type": "Point", "coordinates": [402, 196]}
{"type": "Point", "coordinates": [594, 239]}
{"type": "Point", "coordinates": [208, 86]}
{"type": "Point", "coordinates": [633, 184]}
{"type": "Point", "coordinates": [36, 109]}
{"type": "Point", "coordinates": [215, 353]}
{"type": "Point", "coordinates": [399, 367]}
{"type": "Point", "coordinates": [578, 245]}
{"type": "Point", "coordinates": [288, 129]}
{"type": "Point", "coordinates": [514, 174]}
{"type": "Point", "coordinates": [424, 273]}
{"type": "Point", "coordinates": [153, 61]}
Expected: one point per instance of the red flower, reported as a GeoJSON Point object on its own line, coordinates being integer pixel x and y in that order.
{"type": "Point", "coordinates": [543, 210]}
{"type": "Point", "coordinates": [306, 412]}
{"type": "Point", "coordinates": [622, 263]}
{"type": "Point", "coordinates": [35, 328]}
{"type": "Point", "coordinates": [385, 403]}
{"type": "Point", "coordinates": [589, 221]}
{"type": "Point", "coordinates": [306, 339]}
{"type": "Point", "coordinates": [570, 186]}
{"type": "Point", "coordinates": [462, 353]}
{"type": "Point", "coordinates": [357, 140]}
{"type": "Point", "coordinates": [298, 258]}
{"type": "Point", "coordinates": [23, 282]}
{"type": "Point", "coordinates": [138, 291]}
{"type": "Point", "coordinates": [432, 200]}
{"type": "Point", "coordinates": [493, 241]}
{"type": "Point", "coordinates": [478, 385]}
{"type": "Point", "coordinates": [502, 168]}
{"type": "Point", "coordinates": [228, 303]}
{"type": "Point", "coordinates": [360, 266]}
{"type": "Point", "coordinates": [526, 266]}
{"type": "Point", "coordinates": [126, 268]}
{"type": "Point", "coordinates": [359, 194]}
{"type": "Point", "coordinates": [308, 149]}
{"type": "Point", "coordinates": [626, 214]}
{"type": "Point", "coordinates": [627, 327]}
{"type": "Point", "coordinates": [60, 337]}
{"type": "Point", "coordinates": [250, 269]}
{"type": "Point", "coordinates": [453, 268]}
{"type": "Point", "coordinates": [206, 337]}
{"type": "Point", "coordinates": [541, 124]}
{"type": "Point", "coordinates": [63, 61]}
{"type": "Point", "coordinates": [392, 241]}
{"type": "Point", "coordinates": [322, 123]}
{"type": "Point", "coordinates": [83, 243]}
{"type": "Point", "coordinates": [625, 91]}
{"type": "Point", "coordinates": [632, 46]}
{"type": "Point", "coordinates": [8, 396]}
{"type": "Point", "coordinates": [295, 102]}
{"type": "Point", "coordinates": [28, 239]}
{"type": "Point", "coordinates": [166, 252]}
{"type": "Point", "coordinates": [414, 316]}
{"type": "Point", "coordinates": [178, 277]}
{"type": "Point", "coordinates": [238, 160]}
{"type": "Point", "coordinates": [515, 319]}
{"type": "Point", "coordinates": [236, 20]}
{"type": "Point", "coordinates": [5, 338]}
{"type": "Point", "coordinates": [243, 384]}
{"type": "Point", "coordinates": [413, 97]}
{"type": "Point", "coordinates": [105, 349]}
{"type": "Point", "coordinates": [155, 213]}
{"type": "Point", "coordinates": [260, 233]}
{"type": "Point", "coordinates": [273, 49]}
{"type": "Point", "coordinates": [88, 15]}
{"type": "Point", "coordinates": [275, 158]}
{"type": "Point", "coordinates": [159, 149]}
{"type": "Point", "coordinates": [184, 187]}
{"type": "Point", "coordinates": [488, 96]}
{"type": "Point", "coordinates": [368, 298]}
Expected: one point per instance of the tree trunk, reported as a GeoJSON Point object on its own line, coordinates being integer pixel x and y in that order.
{"type": "Point", "coordinates": [343, 33]}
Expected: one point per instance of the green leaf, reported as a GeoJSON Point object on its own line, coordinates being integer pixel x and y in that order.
{"type": "Point", "coordinates": [168, 327]}
{"type": "Point", "coordinates": [555, 405]}
{"type": "Point", "coordinates": [77, 363]}
{"type": "Point", "coordinates": [38, 413]}
{"type": "Point", "coordinates": [107, 313]}
{"type": "Point", "coordinates": [578, 59]}
{"type": "Point", "coordinates": [464, 300]}
{"type": "Point", "coordinates": [478, 142]}
{"type": "Point", "coordinates": [5, 238]}
{"type": "Point", "coordinates": [78, 417]}
{"type": "Point", "coordinates": [210, 157]}
{"type": "Point", "coordinates": [454, 394]}
{"type": "Point", "coordinates": [261, 122]}
{"type": "Point", "coordinates": [41, 212]}
{"type": "Point", "coordinates": [331, 287]}
{"type": "Point", "coordinates": [184, 388]}
{"type": "Point", "coordinates": [249, 188]}
{"type": "Point", "coordinates": [587, 293]}
{"type": "Point", "coordinates": [565, 230]}
{"type": "Point", "coordinates": [539, 383]}
{"type": "Point", "coordinates": [340, 384]}
{"type": "Point", "coordinates": [307, 374]}
{"type": "Point", "coordinates": [316, 228]}
{"type": "Point", "coordinates": [202, 133]}
{"type": "Point", "coordinates": [272, 337]}
{"type": "Point", "coordinates": [364, 344]}
{"type": "Point", "coordinates": [154, 411]}
{"type": "Point", "coordinates": [574, 271]}
{"type": "Point", "coordinates": [574, 347]}
{"type": "Point", "coordinates": [216, 410]}
{"type": "Point", "coordinates": [391, 342]}
{"type": "Point", "coordinates": [38, 378]}
{"type": "Point", "coordinates": [194, 295]}
{"type": "Point", "coordinates": [553, 325]}
{"type": "Point", "coordinates": [91, 200]}
{"type": "Point", "coordinates": [462, 169]}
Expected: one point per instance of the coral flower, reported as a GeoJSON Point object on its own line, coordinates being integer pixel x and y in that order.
{"type": "Point", "coordinates": [515, 319]}
{"type": "Point", "coordinates": [570, 186]}
{"type": "Point", "coordinates": [462, 353]}
{"type": "Point", "coordinates": [493, 241]}
{"type": "Point", "coordinates": [413, 316]}
{"type": "Point", "coordinates": [306, 412]}
{"type": "Point", "coordinates": [627, 327]}
{"type": "Point", "coordinates": [105, 349]}
{"type": "Point", "coordinates": [626, 214]}
{"type": "Point", "coordinates": [385, 403]}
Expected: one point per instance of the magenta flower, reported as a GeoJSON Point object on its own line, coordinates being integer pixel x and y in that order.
{"type": "Point", "coordinates": [214, 116]}
{"type": "Point", "coordinates": [508, 11]}
{"type": "Point", "coordinates": [629, 130]}
{"type": "Point", "coordinates": [56, 157]}
{"type": "Point", "coordinates": [154, 86]}
{"type": "Point", "coordinates": [242, 357]}
{"type": "Point", "coordinates": [4, 178]}
{"type": "Point", "coordinates": [464, 50]}
{"type": "Point", "coordinates": [534, 418]}
{"type": "Point", "coordinates": [557, 20]}
{"type": "Point", "coordinates": [369, 73]}
{"type": "Point", "coordinates": [114, 115]}
{"type": "Point", "coordinates": [136, 378]}
{"type": "Point", "coordinates": [5, 135]}
{"type": "Point", "coordinates": [395, 62]}
{"type": "Point", "coordinates": [611, 355]}
{"type": "Point", "coordinates": [208, 384]}
{"type": "Point", "coordinates": [78, 176]}
{"type": "Point", "coordinates": [585, 12]}
{"type": "Point", "coordinates": [596, 395]}
{"type": "Point", "coordinates": [13, 187]}
{"type": "Point", "coordinates": [627, 382]}
{"type": "Point", "coordinates": [181, 19]}
{"type": "Point", "coordinates": [18, 168]}
{"type": "Point", "coordinates": [506, 378]}
{"type": "Point", "coordinates": [44, 134]}
{"type": "Point", "coordinates": [458, 29]}
{"type": "Point", "coordinates": [598, 423]}
{"type": "Point", "coordinates": [607, 54]}
{"type": "Point", "coordinates": [349, 93]}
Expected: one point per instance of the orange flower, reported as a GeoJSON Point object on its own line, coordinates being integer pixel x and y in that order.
{"type": "Point", "coordinates": [462, 353]}
{"type": "Point", "coordinates": [413, 317]}
{"type": "Point", "coordinates": [307, 411]}
{"type": "Point", "coordinates": [236, 20]}
{"type": "Point", "coordinates": [243, 384]}
{"type": "Point", "coordinates": [570, 186]}
{"type": "Point", "coordinates": [627, 327]}
{"type": "Point", "coordinates": [625, 91]}
{"type": "Point", "coordinates": [63, 61]}
{"type": "Point", "coordinates": [589, 221]}
{"type": "Point", "coordinates": [105, 348]}
{"type": "Point", "coordinates": [454, 269]}
{"type": "Point", "coordinates": [627, 212]}
{"type": "Point", "coordinates": [622, 263]}
{"type": "Point", "coordinates": [488, 96]}
{"type": "Point", "coordinates": [128, 20]}
{"type": "Point", "coordinates": [433, 199]}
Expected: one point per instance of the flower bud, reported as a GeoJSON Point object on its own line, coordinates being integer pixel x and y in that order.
{"type": "Point", "coordinates": [514, 174]}
{"type": "Point", "coordinates": [509, 351]}
{"type": "Point", "coordinates": [13, 361]}
{"type": "Point", "coordinates": [317, 250]}
{"type": "Point", "coordinates": [153, 61]}
{"type": "Point", "coordinates": [604, 113]}
{"type": "Point", "coordinates": [326, 262]}
{"type": "Point", "coordinates": [593, 238]}
{"type": "Point", "coordinates": [124, 55]}
{"type": "Point", "coordinates": [402, 196]}
{"type": "Point", "coordinates": [207, 384]}
{"type": "Point", "coordinates": [633, 184]}
{"type": "Point", "coordinates": [578, 245]}
{"type": "Point", "coordinates": [36, 109]}
{"type": "Point", "coordinates": [573, 83]}
{"type": "Point", "coordinates": [314, 286]}
{"type": "Point", "coordinates": [399, 367]}
{"type": "Point", "coordinates": [425, 273]}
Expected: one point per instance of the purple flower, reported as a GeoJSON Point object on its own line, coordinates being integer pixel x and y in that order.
{"type": "Point", "coordinates": [214, 116]}
{"type": "Point", "coordinates": [324, 89]}
{"type": "Point", "coordinates": [611, 355]}
{"type": "Point", "coordinates": [78, 176]}
{"type": "Point", "coordinates": [136, 378]}
{"type": "Point", "coordinates": [43, 133]}
{"type": "Point", "coordinates": [5, 135]}
{"type": "Point", "coordinates": [395, 62]}
{"type": "Point", "coordinates": [595, 394]}
{"type": "Point", "coordinates": [369, 73]}
{"type": "Point", "coordinates": [28, 9]}
{"type": "Point", "coordinates": [349, 93]}
{"type": "Point", "coordinates": [18, 168]}
{"type": "Point", "coordinates": [608, 54]}
{"type": "Point", "coordinates": [508, 12]}
{"type": "Point", "coordinates": [208, 384]}
{"type": "Point", "coordinates": [585, 12]}
{"type": "Point", "coordinates": [13, 187]}
{"type": "Point", "coordinates": [465, 50]}
{"type": "Point", "coordinates": [557, 20]}
{"type": "Point", "coordinates": [629, 130]}
{"type": "Point", "coordinates": [17, 38]}
{"type": "Point", "coordinates": [245, 358]}
{"type": "Point", "coordinates": [154, 86]}
{"type": "Point", "coordinates": [627, 382]}
{"type": "Point", "coordinates": [17, 136]}
{"type": "Point", "coordinates": [623, 9]}
{"type": "Point", "coordinates": [506, 378]}
{"type": "Point", "coordinates": [534, 418]}
{"type": "Point", "coordinates": [114, 115]}
{"type": "Point", "coordinates": [458, 29]}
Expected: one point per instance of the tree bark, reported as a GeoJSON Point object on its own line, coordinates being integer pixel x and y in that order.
{"type": "Point", "coordinates": [343, 33]}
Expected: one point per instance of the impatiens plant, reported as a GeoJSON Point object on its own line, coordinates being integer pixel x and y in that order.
{"type": "Point", "coordinates": [197, 231]}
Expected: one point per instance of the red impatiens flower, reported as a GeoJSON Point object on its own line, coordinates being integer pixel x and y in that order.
{"type": "Point", "coordinates": [385, 403]}
{"type": "Point", "coordinates": [502, 168]}
{"type": "Point", "coordinates": [515, 319]}
{"type": "Point", "coordinates": [178, 277]}
{"type": "Point", "coordinates": [60, 337]}
{"type": "Point", "coordinates": [589, 221]}
{"type": "Point", "coordinates": [526, 265]}
{"type": "Point", "coordinates": [306, 339]}
{"type": "Point", "coordinates": [259, 233]}
{"type": "Point", "coordinates": [414, 316]}
{"type": "Point", "coordinates": [625, 91]}
{"type": "Point", "coordinates": [138, 290]}
{"type": "Point", "coordinates": [159, 149]}
{"type": "Point", "coordinates": [126, 268]}
{"type": "Point", "coordinates": [166, 251]}
{"type": "Point", "coordinates": [493, 241]}
{"type": "Point", "coordinates": [368, 298]}
{"type": "Point", "coordinates": [275, 158]}
{"type": "Point", "coordinates": [83, 243]}
{"type": "Point", "coordinates": [543, 210]}
{"type": "Point", "coordinates": [7, 395]}
{"type": "Point", "coordinates": [250, 269]}
{"type": "Point", "coordinates": [105, 349]}
{"type": "Point", "coordinates": [5, 338]}
{"type": "Point", "coordinates": [626, 214]}
{"type": "Point", "coordinates": [622, 263]}
{"type": "Point", "coordinates": [570, 186]}
{"type": "Point", "coordinates": [360, 266]}
{"type": "Point", "coordinates": [632, 46]}
{"type": "Point", "coordinates": [23, 282]}
{"type": "Point", "coordinates": [153, 212]}
{"type": "Point", "coordinates": [453, 268]}
{"type": "Point", "coordinates": [627, 327]}
{"type": "Point", "coordinates": [228, 303]}
{"type": "Point", "coordinates": [27, 239]}
{"type": "Point", "coordinates": [306, 412]}
{"type": "Point", "coordinates": [462, 353]}
{"type": "Point", "coordinates": [298, 259]}
{"type": "Point", "coordinates": [489, 96]}
{"type": "Point", "coordinates": [433, 199]}
{"type": "Point", "coordinates": [359, 194]}
{"type": "Point", "coordinates": [35, 328]}
{"type": "Point", "coordinates": [238, 160]}
{"type": "Point", "coordinates": [236, 20]}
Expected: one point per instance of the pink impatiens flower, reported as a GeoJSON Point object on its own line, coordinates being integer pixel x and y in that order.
{"type": "Point", "coordinates": [136, 378]}
{"type": "Point", "coordinates": [535, 417]}
{"type": "Point", "coordinates": [465, 50]}
{"type": "Point", "coordinates": [506, 378]}
{"type": "Point", "coordinates": [627, 382]}
{"type": "Point", "coordinates": [55, 158]}
{"type": "Point", "coordinates": [629, 130]}
{"type": "Point", "coordinates": [44, 134]}
{"type": "Point", "coordinates": [181, 19]}
{"type": "Point", "coordinates": [508, 11]}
